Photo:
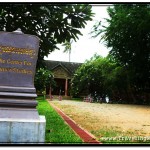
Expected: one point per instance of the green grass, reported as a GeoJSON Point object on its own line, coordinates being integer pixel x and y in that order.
{"type": "Point", "coordinates": [113, 136]}
{"type": "Point", "coordinates": [57, 131]}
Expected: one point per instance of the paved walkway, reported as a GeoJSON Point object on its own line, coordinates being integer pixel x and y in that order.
{"type": "Point", "coordinates": [84, 135]}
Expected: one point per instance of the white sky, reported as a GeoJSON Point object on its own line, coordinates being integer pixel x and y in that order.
{"type": "Point", "coordinates": [86, 46]}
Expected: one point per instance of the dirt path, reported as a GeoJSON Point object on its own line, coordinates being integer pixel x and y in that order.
{"type": "Point", "coordinates": [131, 120]}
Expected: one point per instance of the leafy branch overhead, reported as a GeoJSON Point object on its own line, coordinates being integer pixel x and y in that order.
{"type": "Point", "coordinates": [53, 24]}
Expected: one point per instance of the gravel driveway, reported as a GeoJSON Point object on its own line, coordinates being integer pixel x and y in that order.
{"type": "Point", "coordinates": [128, 119]}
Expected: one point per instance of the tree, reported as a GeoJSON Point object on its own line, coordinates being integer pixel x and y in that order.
{"type": "Point", "coordinates": [53, 24]}
{"type": "Point", "coordinates": [128, 36]}
{"type": "Point", "coordinates": [102, 77]}
{"type": "Point", "coordinates": [96, 76]}
{"type": "Point", "coordinates": [68, 48]}
{"type": "Point", "coordinates": [43, 78]}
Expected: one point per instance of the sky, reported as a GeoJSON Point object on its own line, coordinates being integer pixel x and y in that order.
{"type": "Point", "coordinates": [85, 47]}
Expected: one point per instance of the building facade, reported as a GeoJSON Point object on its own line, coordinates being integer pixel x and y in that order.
{"type": "Point", "coordinates": [63, 73]}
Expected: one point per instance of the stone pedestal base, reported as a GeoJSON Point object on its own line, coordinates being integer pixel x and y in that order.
{"type": "Point", "coordinates": [22, 130]}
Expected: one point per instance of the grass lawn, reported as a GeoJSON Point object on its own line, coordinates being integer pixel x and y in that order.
{"type": "Point", "coordinates": [57, 131]}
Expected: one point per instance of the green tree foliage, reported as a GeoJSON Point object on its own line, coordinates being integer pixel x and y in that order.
{"type": "Point", "coordinates": [43, 78]}
{"type": "Point", "coordinates": [98, 77]}
{"type": "Point", "coordinates": [103, 77]}
{"type": "Point", "coordinates": [67, 49]}
{"type": "Point", "coordinates": [128, 36]}
{"type": "Point", "coordinates": [53, 24]}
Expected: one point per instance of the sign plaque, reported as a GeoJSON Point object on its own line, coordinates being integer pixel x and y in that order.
{"type": "Point", "coordinates": [18, 57]}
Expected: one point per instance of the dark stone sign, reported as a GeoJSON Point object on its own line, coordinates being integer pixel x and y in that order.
{"type": "Point", "coordinates": [18, 57]}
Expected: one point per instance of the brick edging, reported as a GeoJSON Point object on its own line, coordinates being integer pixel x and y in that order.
{"type": "Point", "coordinates": [84, 135]}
